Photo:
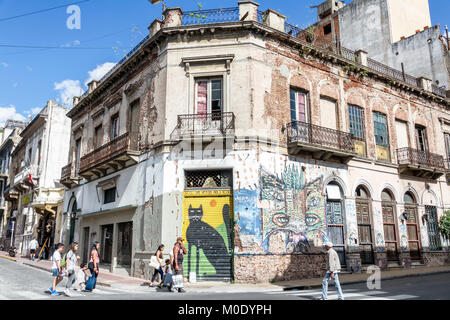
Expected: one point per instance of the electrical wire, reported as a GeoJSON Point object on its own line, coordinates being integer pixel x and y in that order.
{"type": "Point", "coordinates": [41, 11]}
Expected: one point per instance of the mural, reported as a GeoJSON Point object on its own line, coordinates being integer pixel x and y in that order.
{"type": "Point", "coordinates": [207, 230]}
{"type": "Point", "coordinates": [293, 210]}
{"type": "Point", "coordinates": [248, 218]}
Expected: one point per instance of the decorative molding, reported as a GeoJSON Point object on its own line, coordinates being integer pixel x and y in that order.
{"type": "Point", "coordinates": [98, 113]}
{"type": "Point", "coordinates": [226, 58]}
{"type": "Point", "coordinates": [114, 99]}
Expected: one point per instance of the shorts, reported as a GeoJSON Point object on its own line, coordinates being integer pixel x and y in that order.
{"type": "Point", "coordinates": [55, 273]}
{"type": "Point", "coordinates": [32, 251]}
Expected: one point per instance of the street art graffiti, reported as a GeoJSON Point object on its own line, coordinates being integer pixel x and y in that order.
{"type": "Point", "coordinates": [207, 231]}
{"type": "Point", "coordinates": [379, 239]}
{"type": "Point", "coordinates": [248, 217]}
{"type": "Point", "coordinates": [293, 211]}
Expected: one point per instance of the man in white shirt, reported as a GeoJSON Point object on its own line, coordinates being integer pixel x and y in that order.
{"type": "Point", "coordinates": [333, 269]}
{"type": "Point", "coordinates": [33, 246]}
{"type": "Point", "coordinates": [57, 270]}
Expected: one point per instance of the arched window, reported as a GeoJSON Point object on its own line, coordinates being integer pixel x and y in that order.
{"type": "Point", "coordinates": [387, 196]}
{"type": "Point", "coordinates": [389, 224]}
{"type": "Point", "coordinates": [365, 230]}
{"type": "Point", "coordinates": [409, 198]}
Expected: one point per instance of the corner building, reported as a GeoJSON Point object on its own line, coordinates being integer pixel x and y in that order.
{"type": "Point", "coordinates": [229, 130]}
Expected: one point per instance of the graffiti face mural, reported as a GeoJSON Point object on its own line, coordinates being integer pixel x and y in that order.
{"type": "Point", "coordinates": [207, 230]}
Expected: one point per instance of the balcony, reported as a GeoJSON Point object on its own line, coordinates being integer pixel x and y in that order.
{"type": "Point", "coordinates": [204, 126]}
{"type": "Point", "coordinates": [322, 143]}
{"type": "Point", "coordinates": [114, 155]}
{"type": "Point", "coordinates": [22, 179]}
{"type": "Point", "coordinates": [420, 163]}
{"type": "Point", "coordinates": [69, 176]}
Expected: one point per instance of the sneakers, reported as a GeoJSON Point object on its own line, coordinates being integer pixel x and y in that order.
{"type": "Point", "coordinates": [55, 293]}
{"type": "Point", "coordinates": [181, 290]}
{"type": "Point", "coordinates": [67, 293]}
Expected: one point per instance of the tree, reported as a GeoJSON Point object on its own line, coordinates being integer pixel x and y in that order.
{"type": "Point", "coordinates": [444, 224]}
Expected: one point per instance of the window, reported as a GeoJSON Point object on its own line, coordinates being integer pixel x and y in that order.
{"type": "Point", "coordinates": [421, 138]}
{"type": "Point", "coordinates": [328, 115]}
{"type": "Point", "coordinates": [77, 154]}
{"type": "Point", "coordinates": [299, 110]}
{"type": "Point", "coordinates": [134, 116]}
{"type": "Point", "coordinates": [209, 96]}
{"type": "Point", "coordinates": [30, 153]}
{"type": "Point", "coordinates": [39, 151]}
{"type": "Point", "coordinates": [380, 129]}
{"type": "Point", "coordinates": [327, 29]}
{"type": "Point", "coordinates": [98, 136]}
{"type": "Point", "coordinates": [109, 195]}
{"type": "Point", "coordinates": [434, 237]}
{"type": "Point", "coordinates": [114, 126]}
{"type": "Point", "coordinates": [356, 116]}
{"type": "Point", "coordinates": [447, 144]}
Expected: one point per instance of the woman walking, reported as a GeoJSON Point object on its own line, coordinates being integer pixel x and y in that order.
{"type": "Point", "coordinates": [159, 257]}
{"type": "Point", "coordinates": [94, 261]}
{"type": "Point", "coordinates": [71, 262]}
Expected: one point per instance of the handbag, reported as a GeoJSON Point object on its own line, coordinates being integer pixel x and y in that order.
{"type": "Point", "coordinates": [154, 263]}
{"type": "Point", "coordinates": [177, 281]}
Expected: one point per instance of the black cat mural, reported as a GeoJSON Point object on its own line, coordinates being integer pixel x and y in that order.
{"type": "Point", "coordinates": [206, 238]}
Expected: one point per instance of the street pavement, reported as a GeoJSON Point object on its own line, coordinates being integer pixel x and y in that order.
{"type": "Point", "coordinates": [21, 282]}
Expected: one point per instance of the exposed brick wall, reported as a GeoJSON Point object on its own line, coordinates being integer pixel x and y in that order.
{"type": "Point", "coordinates": [270, 268]}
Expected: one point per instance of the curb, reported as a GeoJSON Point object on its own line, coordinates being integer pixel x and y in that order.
{"type": "Point", "coordinates": [8, 258]}
{"type": "Point", "coordinates": [315, 286]}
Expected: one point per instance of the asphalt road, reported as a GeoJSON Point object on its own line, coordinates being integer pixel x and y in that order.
{"type": "Point", "coordinates": [20, 282]}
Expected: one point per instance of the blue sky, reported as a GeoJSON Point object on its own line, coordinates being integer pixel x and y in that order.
{"type": "Point", "coordinates": [29, 77]}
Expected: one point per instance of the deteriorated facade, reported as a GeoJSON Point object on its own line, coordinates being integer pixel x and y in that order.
{"type": "Point", "coordinates": [256, 147]}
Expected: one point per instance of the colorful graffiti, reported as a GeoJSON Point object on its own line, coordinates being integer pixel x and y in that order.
{"type": "Point", "coordinates": [207, 231]}
{"type": "Point", "coordinates": [248, 218]}
{"type": "Point", "coordinates": [293, 210]}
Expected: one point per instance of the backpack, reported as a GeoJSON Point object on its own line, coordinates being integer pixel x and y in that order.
{"type": "Point", "coordinates": [63, 261]}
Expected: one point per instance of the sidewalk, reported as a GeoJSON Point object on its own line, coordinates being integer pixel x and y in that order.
{"type": "Point", "coordinates": [114, 280]}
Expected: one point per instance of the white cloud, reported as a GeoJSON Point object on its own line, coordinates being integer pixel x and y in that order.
{"type": "Point", "coordinates": [33, 111]}
{"type": "Point", "coordinates": [99, 72]}
{"type": "Point", "coordinates": [71, 88]}
{"type": "Point", "coordinates": [10, 113]}
{"type": "Point", "coordinates": [71, 44]}
{"type": "Point", "coordinates": [67, 90]}
{"type": "Point", "coordinates": [4, 64]}
{"type": "Point", "coordinates": [29, 68]}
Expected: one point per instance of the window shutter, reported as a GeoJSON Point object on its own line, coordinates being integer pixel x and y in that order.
{"type": "Point", "coordinates": [202, 97]}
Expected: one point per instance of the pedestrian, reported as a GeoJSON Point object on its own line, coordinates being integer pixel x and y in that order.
{"type": "Point", "coordinates": [80, 282]}
{"type": "Point", "coordinates": [333, 269]}
{"type": "Point", "coordinates": [167, 280]}
{"type": "Point", "coordinates": [94, 261]}
{"type": "Point", "coordinates": [159, 258]}
{"type": "Point", "coordinates": [33, 246]}
{"type": "Point", "coordinates": [57, 270]}
{"type": "Point", "coordinates": [71, 262]}
{"type": "Point", "coordinates": [178, 253]}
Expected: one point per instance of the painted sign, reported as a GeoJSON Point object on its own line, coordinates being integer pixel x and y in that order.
{"type": "Point", "coordinates": [26, 199]}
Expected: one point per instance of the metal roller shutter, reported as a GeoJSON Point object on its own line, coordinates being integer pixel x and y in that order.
{"type": "Point", "coordinates": [207, 225]}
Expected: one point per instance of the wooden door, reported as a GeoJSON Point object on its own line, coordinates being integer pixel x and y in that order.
{"type": "Point", "coordinates": [335, 228]}
{"type": "Point", "coordinates": [412, 226]}
{"type": "Point", "coordinates": [365, 232]}
{"type": "Point", "coordinates": [390, 232]}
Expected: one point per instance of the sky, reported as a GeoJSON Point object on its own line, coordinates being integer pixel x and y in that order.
{"type": "Point", "coordinates": [67, 58]}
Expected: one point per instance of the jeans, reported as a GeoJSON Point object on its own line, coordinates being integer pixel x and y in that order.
{"type": "Point", "coordinates": [93, 273]}
{"type": "Point", "coordinates": [156, 273]}
{"type": "Point", "coordinates": [70, 279]}
{"type": "Point", "coordinates": [336, 283]}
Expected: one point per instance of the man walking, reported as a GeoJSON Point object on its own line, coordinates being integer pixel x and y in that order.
{"type": "Point", "coordinates": [178, 252]}
{"type": "Point", "coordinates": [57, 270]}
{"type": "Point", "coordinates": [33, 246]}
{"type": "Point", "coordinates": [333, 268]}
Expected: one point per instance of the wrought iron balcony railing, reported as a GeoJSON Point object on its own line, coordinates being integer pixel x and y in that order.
{"type": "Point", "coordinates": [116, 147]}
{"type": "Point", "coordinates": [302, 132]}
{"type": "Point", "coordinates": [209, 124]}
{"type": "Point", "coordinates": [210, 16]}
{"type": "Point", "coordinates": [413, 157]}
{"type": "Point", "coordinates": [66, 172]}
{"type": "Point", "coordinates": [24, 174]}
{"type": "Point", "coordinates": [438, 90]}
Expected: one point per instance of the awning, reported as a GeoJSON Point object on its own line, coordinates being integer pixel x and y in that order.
{"type": "Point", "coordinates": [333, 192]}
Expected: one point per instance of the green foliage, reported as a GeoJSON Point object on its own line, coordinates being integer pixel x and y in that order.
{"type": "Point", "coordinates": [444, 224]}
{"type": "Point", "coordinates": [198, 15]}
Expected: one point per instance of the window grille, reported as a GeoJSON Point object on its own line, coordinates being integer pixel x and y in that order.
{"type": "Point", "coordinates": [380, 129]}
{"type": "Point", "coordinates": [210, 179]}
{"type": "Point", "coordinates": [356, 117]}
